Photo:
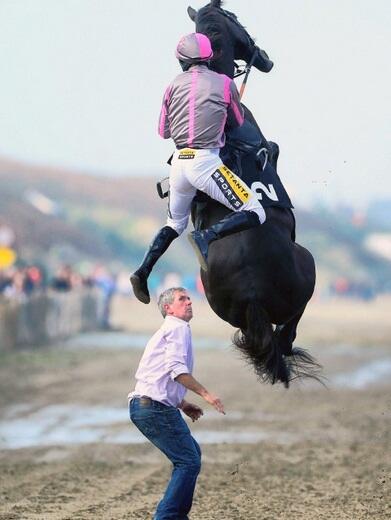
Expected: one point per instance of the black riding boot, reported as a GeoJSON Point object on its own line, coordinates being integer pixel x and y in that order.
{"type": "Point", "coordinates": [232, 223]}
{"type": "Point", "coordinates": [157, 248]}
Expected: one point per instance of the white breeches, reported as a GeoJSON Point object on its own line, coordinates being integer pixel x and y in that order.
{"type": "Point", "coordinates": [193, 170]}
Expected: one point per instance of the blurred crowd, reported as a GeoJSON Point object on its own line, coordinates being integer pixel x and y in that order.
{"type": "Point", "coordinates": [21, 283]}
{"type": "Point", "coordinates": [345, 288]}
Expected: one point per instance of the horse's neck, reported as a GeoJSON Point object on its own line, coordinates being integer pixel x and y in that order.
{"type": "Point", "coordinates": [224, 60]}
{"type": "Point", "coordinates": [223, 66]}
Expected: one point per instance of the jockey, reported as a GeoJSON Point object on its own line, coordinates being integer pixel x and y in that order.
{"type": "Point", "coordinates": [197, 106]}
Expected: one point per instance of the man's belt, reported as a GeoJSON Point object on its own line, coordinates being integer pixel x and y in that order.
{"type": "Point", "coordinates": [145, 400]}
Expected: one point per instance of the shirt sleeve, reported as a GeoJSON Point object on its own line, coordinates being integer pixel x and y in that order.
{"type": "Point", "coordinates": [176, 351]}
{"type": "Point", "coordinates": [235, 112]}
{"type": "Point", "coordinates": [164, 127]}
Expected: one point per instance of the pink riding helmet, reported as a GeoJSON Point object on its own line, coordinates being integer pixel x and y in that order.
{"type": "Point", "coordinates": [193, 48]}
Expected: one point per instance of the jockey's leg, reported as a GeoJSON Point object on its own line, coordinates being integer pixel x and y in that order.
{"type": "Point", "coordinates": [212, 177]}
{"type": "Point", "coordinates": [232, 223]}
{"type": "Point", "coordinates": [156, 249]}
{"type": "Point", "coordinates": [179, 204]}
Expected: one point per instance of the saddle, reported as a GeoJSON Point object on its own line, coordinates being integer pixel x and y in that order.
{"type": "Point", "coordinates": [254, 160]}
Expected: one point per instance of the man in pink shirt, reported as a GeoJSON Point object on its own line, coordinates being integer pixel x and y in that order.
{"type": "Point", "coordinates": [197, 106]}
{"type": "Point", "coordinates": [162, 379]}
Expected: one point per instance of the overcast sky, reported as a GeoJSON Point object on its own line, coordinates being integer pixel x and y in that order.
{"type": "Point", "coordinates": [81, 83]}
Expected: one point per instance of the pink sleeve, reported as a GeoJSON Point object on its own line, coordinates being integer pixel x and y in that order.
{"type": "Point", "coordinates": [164, 128]}
{"type": "Point", "coordinates": [235, 109]}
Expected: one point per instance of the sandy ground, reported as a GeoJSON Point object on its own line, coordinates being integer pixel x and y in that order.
{"type": "Point", "coordinates": [323, 453]}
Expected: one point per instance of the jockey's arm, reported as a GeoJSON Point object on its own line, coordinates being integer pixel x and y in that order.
{"type": "Point", "coordinates": [235, 112]}
{"type": "Point", "coordinates": [164, 126]}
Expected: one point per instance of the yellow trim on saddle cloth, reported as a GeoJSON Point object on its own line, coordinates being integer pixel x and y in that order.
{"type": "Point", "coordinates": [237, 186]}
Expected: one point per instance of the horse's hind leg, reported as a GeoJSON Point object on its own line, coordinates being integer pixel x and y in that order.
{"type": "Point", "coordinates": [286, 333]}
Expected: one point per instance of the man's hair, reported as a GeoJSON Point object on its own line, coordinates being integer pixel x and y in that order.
{"type": "Point", "coordinates": [167, 297]}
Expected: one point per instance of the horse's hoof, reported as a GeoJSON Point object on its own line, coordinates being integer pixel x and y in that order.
{"type": "Point", "coordinates": [140, 288]}
{"type": "Point", "coordinates": [200, 256]}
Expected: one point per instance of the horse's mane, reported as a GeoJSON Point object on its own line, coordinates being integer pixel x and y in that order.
{"type": "Point", "coordinates": [210, 21]}
{"type": "Point", "coordinates": [213, 20]}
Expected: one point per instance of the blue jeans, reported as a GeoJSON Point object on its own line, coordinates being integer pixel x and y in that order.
{"type": "Point", "coordinates": [165, 428]}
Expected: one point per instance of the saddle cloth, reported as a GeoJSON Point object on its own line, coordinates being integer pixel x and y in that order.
{"type": "Point", "coordinates": [253, 164]}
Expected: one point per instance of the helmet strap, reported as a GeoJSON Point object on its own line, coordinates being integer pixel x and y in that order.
{"type": "Point", "coordinates": [185, 65]}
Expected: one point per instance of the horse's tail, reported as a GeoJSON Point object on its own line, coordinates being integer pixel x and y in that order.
{"type": "Point", "coordinates": [302, 365]}
{"type": "Point", "coordinates": [259, 345]}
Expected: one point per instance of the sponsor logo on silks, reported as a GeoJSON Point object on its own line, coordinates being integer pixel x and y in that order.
{"type": "Point", "coordinates": [186, 153]}
{"type": "Point", "coordinates": [231, 186]}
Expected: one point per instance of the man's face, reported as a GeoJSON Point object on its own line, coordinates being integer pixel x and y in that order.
{"type": "Point", "coordinates": [181, 307]}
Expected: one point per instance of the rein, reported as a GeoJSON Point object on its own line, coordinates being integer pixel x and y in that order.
{"type": "Point", "coordinates": [246, 71]}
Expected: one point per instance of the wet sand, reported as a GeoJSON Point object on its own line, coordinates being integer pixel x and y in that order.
{"type": "Point", "coordinates": [305, 453]}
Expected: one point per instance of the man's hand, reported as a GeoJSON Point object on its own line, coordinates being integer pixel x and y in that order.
{"type": "Point", "coordinates": [214, 401]}
{"type": "Point", "coordinates": [188, 381]}
{"type": "Point", "coordinates": [192, 410]}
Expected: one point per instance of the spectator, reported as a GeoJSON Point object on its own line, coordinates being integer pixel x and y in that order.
{"type": "Point", "coordinates": [62, 281]}
{"type": "Point", "coordinates": [106, 283]}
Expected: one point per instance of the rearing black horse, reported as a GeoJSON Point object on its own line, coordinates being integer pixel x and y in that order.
{"type": "Point", "coordinates": [258, 277]}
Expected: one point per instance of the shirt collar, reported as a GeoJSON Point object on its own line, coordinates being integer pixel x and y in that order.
{"type": "Point", "coordinates": [169, 318]}
{"type": "Point", "coordinates": [198, 66]}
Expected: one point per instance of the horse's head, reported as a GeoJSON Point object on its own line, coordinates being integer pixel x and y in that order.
{"type": "Point", "coordinates": [230, 40]}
